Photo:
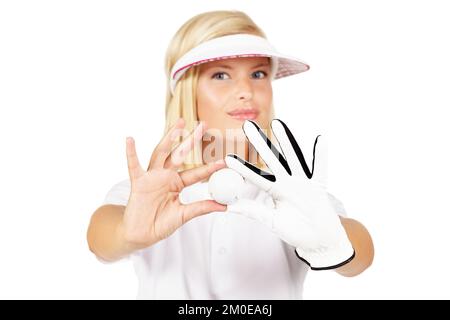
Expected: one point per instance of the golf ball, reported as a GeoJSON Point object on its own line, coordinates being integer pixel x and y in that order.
{"type": "Point", "coordinates": [225, 186]}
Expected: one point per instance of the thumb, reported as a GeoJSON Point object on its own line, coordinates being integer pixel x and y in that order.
{"type": "Point", "coordinates": [252, 209]}
{"type": "Point", "coordinates": [199, 208]}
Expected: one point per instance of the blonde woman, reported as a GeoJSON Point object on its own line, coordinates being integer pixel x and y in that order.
{"type": "Point", "coordinates": [185, 245]}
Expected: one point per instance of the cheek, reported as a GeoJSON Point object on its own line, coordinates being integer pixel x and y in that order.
{"type": "Point", "coordinates": [265, 98]}
{"type": "Point", "coordinates": [210, 100]}
{"type": "Point", "coordinates": [265, 105]}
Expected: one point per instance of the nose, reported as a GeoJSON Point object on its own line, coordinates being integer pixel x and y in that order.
{"type": "Point", "coordinates": [244, 89]}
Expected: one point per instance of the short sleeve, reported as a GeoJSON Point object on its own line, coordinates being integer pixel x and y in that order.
{"type": "Point", "coordinates": [119, 193]}
{"type": "Point", "coordinates": [337, 205]}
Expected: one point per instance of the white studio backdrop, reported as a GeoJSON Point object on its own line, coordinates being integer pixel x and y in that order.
{"type": "Point", "coordinates": [76, 78]}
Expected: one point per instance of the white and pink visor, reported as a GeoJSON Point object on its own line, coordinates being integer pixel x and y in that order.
{"type": "Point", "coordinates": [236, 46]}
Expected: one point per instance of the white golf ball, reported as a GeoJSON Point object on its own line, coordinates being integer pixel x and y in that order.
{"type": "Point", "coordinates": [225, 186]}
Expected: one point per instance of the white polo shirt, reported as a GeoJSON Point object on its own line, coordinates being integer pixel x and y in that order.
{"type": "Point", "coordinates": [216, 256]}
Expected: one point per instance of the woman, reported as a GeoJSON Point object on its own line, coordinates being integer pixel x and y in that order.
{"type": "Point", "coordinates": [220, 69]}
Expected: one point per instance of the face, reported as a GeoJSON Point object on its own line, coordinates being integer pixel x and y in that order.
{"type": "Point", "coordinates": [232, 90]}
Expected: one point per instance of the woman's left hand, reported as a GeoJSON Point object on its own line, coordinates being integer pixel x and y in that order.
{"type": "Point", "coordinates": [302, 214]}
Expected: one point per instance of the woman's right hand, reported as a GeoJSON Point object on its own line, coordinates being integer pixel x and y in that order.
{"type": "Point", "coordinates": [154, 210]}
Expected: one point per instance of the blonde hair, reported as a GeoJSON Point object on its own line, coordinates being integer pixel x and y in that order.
{"type": "Point", "coordinates": [200, 28]}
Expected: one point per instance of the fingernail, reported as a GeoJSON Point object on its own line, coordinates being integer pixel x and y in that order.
{"type": "Point", "coordinates": [221, 162]}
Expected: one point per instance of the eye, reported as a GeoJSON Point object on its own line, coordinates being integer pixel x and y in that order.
{"type": "Point", "coordinates": [220, 76]}
{"type": "Point", "coordinates": [260, 74]}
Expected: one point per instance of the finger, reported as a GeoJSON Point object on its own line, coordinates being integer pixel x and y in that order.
{"type": "Point", "coordinates": [295, 147]}
{"type": "Point", "coordinates": [266, 149]}
{"type": "Point", "coordinates": [287, 143]}
{"type": "Point", "coordinates": [134, 168]}
{"type": "Point", "coordinates": [178, 155]}
{"type": "Point", "coordinates": [320, 161]}
{"type": "Point", "coordinates": [260, 178]}
{"type": "Point", "coordinates": [194, 175]}
{"type": "Point", "coordinates": [163, 149]}
{"type": "Point", "coordinates": [252, 209]}
{"type": "Point", "coordinates": [200, 208]}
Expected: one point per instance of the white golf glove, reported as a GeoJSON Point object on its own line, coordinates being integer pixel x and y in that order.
{"type": "Point", "coordinates": [302, 214]}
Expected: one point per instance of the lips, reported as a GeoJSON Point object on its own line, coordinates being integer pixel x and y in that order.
{"type": "Point", "coordinates": [244, 114]}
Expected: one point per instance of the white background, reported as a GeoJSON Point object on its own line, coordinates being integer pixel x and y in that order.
{"type": "Point", "coordinates": [77, 77]}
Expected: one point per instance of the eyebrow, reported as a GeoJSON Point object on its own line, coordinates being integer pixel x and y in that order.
{"type": "Point", "coordinates": [225, 66]}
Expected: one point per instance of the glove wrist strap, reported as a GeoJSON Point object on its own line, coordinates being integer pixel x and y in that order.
{"type": "Point", "coordinates": [327, 258]}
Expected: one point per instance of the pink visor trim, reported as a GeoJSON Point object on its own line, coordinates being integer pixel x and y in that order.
{"type": "Point", "coordinates": [217, 58]}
